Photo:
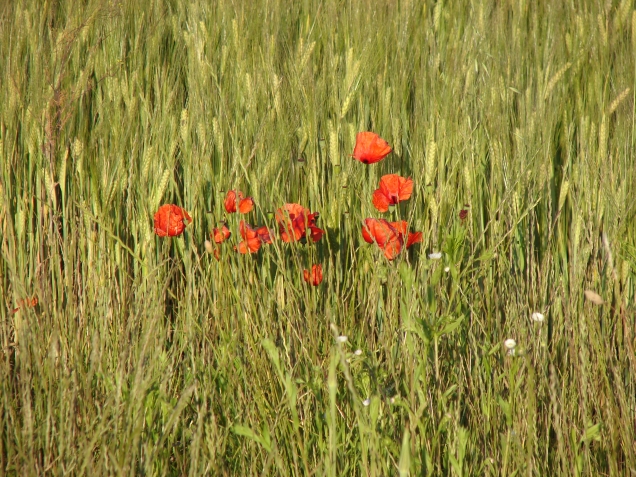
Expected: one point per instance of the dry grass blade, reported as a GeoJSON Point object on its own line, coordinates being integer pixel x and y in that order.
{"type": "Point", "coordinates": [593, 297]}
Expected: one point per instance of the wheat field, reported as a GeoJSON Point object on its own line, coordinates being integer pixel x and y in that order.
{"type": "Point", "coordinates": [502, 344]}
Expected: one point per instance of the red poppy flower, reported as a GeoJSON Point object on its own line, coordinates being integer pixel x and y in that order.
{"type": "Point", "coordinates": [220, 234]}
{"type": "Point", "coordinates": [171, 220]}
{"type": "Point", "coordinates": [370, 148]}
{"type": "Point", "coordinates": [233, 197]}
{"type": "Point", "coordinates": [389, 235]}
{"type": "Point", "coordinates": [463, 214]}
{"type": "Point", "coordinates": [29, 303]}
{"type": "Point", "coordinates": [403, 229]}
{"type": "Point", "coordinates": [265, 234]}
{"type": "Point", "coordinates": [382, 232]}
{"type": "Point", "coordinates": [252, 238]}
{"type": "Point", "coordinates": [295, 221]}
{"type": "Point", "coordinates": [393, 189]}
{"type": "Point", "coordinates": [291, 222]}
{"type": "Point", "coordinates": [315, 276]}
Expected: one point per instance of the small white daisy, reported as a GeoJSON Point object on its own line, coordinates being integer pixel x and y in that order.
{"type": "Point", "coordinates": [447, 269]}
{"type": "Point", "coordinates": [366, 402]}
{"type": "Point", "coordinates": [342, 339]}
{"type": "Point", "coordinates": [538, 317]}
{"type": "Point", "coordinates": [435, 255]}
{"type": "Point", "coordinates": [357, 352]}
{"type": "Point", "coordinates": [510, 343]}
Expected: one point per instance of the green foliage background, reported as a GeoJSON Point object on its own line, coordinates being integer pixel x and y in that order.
{"type": "Point", "coordinates": [147, 356]}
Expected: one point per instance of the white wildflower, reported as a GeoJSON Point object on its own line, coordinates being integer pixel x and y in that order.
{"type": "Point", "coordinates": [538, 317]}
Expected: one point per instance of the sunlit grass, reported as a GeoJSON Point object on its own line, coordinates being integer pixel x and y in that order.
{"type": "Point", "coordinates": [147, 355]}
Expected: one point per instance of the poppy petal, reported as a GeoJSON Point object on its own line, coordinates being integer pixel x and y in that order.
{"type": "Point", "coordinates": [315, 276]}
{"type": "Point", "coordinates": [380, 201]}
{"type": "Point", "coordinates": [284, 236]}
{"type": "Point", "coordinates": [393, 247]}
{"type": "Point", "coordinates": [246, 231]}
{"type": "Point", "coordinates": [170, 220]}
{"type": "Point", "coordinates": [379, 231]}
{"type": "Point", "coordinates": [412, 237]}
{"type": "Point", "coordinates": [293, 221]}
{"type": "Point", "coordinates": [316, 233]}
{"type": "Point", "coordinates": [385, 234]}
{"type": "Point", "coordinates": [249, 245]}
{"type": "Point", "coordinates": [235, 200]}
{"type": "Point", "coordinates": [252, 238]}
{"type": "Point", "coordinates": [415, 237]}
{"type": "Point", "coordinates": [311, 219]}
{"type": "Point", "coordinates": [298, 227]}
{"type": "Point", "coordinates": [221, 234]}
{"type": "Point", "coordinates": [264, 234]}
{"type": "Point", "coordinates": [290, 234]}
{"type": "Point", "coordinates": [366, 231]}
{"type": "Point", "coordinates": [396, 188]}
{"type": "Point", "coordinates": [290, 211]}
{"type": "Point", "coordinates": [230, 202]}
{"type": "Point", "coordinates": [370, 148]}
{"type": "Point", "coordinates": [401, 226]}
{"type": "Point", "coordinates": [254, 244]}
{"type": "Point", "coordinates": [406, 188]}
{"type": "Point", "coordinates": [246, 205]}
